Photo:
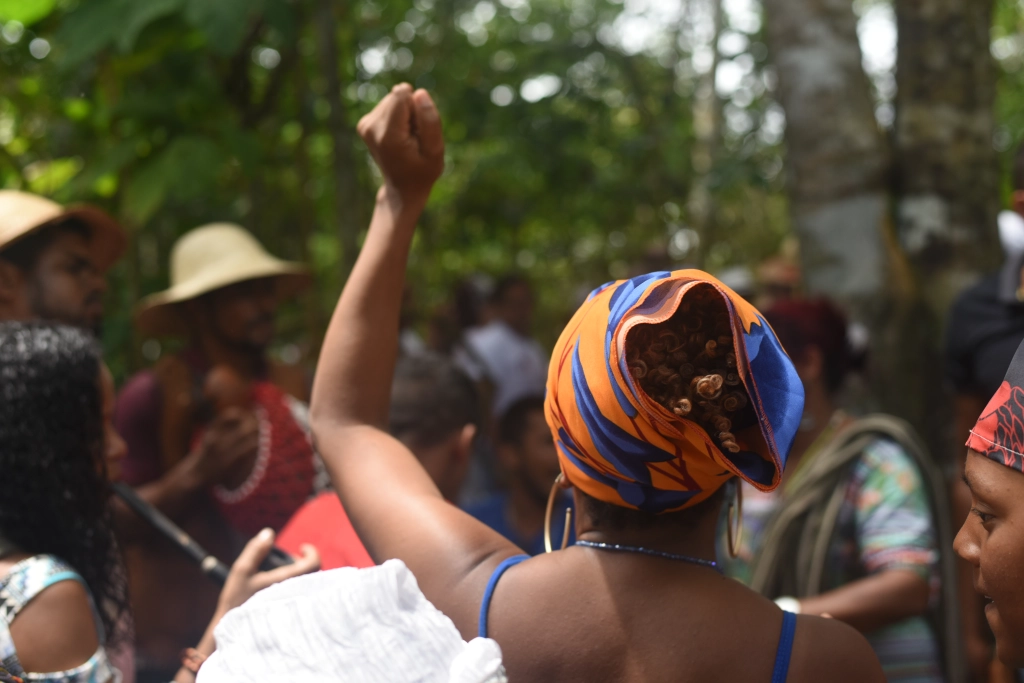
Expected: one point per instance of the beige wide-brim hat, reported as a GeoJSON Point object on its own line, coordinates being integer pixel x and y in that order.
{"type": "Point", "coordinates": [22, 214]}
{"type": "Point", "coordinates": [206, 259]}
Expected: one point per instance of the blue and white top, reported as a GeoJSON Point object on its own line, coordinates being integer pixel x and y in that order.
{"type": "Point", "coordinates": [26, 580]}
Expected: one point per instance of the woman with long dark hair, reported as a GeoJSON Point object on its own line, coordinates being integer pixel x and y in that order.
{"type": "Point", "coordinates": [661, 390]}
{"type": "Point", "coordinates": [63, 590]}
{"type": "Point", "coordinates": [63, 593]}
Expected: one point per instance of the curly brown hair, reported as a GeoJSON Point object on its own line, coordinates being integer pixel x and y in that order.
{"type": "Point", "coordinates": [687, 364]}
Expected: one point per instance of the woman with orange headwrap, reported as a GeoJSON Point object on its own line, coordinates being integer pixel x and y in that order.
{"type": "Point", "coordinates": [661, 390]}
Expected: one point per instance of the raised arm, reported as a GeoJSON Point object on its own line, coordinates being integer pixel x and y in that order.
{"type": "Point", "coordinates": [393, 504]}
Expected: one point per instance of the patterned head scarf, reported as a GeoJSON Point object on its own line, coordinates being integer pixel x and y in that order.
{"type": "Point", "coordinates": [999, 432]}
{"type": "Point", "coordinates": [619, 446]}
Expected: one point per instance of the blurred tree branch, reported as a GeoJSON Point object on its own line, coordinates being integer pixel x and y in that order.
{"type": "Point", "coordinates": [236, 83]}
{"type": "Point", "coordinates": [342, 134]}
{"type": "Point", "coordinates": [12, 162]}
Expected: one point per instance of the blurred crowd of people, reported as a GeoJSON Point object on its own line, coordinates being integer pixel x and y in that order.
{"type": "Point", "coordinates": [676, 492]}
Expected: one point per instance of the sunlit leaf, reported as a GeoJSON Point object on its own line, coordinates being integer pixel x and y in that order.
{"type": "Point", "coordinates": [29, 86]}
{"type": "Point", "coordinates": [77, 108]}
{"type": "Point", "coordinates": [17, 146]}
{"type": "Point", "coordinates": [27, 12]}
{"type": "Point", "coordinates": [105, 185]}
{"type": "Point", "coordinates": [46, 177]}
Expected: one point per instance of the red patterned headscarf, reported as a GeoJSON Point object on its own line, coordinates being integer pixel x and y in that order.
{"type": "Point", "coordinates": [999, 432]}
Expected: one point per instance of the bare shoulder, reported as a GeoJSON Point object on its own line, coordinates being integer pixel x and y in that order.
{"type": "Point", "coordinates": [56, 631]}
{"type": "Point", "coordinates": [827, 649]}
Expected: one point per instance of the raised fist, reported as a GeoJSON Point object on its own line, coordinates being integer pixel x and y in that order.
{"type": "Point", "coordinates": [403, 133]}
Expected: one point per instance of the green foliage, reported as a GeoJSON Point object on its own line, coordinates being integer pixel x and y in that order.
{"type": "Point", "coordinates": [47, 177]}
{"type": "Point", "coordinates": [26, 12]}
{"type": "Point", "coordinates": [1008, 49]}
{"type": "Point", "coordinates": [184, 170]}
{"type": "Point", "coordinates": [570, 158]}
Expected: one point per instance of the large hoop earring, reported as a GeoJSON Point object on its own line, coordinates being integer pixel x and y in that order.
{"type": "Point", "coordinates": [735, 535]}
{"type": "Point", "coordinates": [547, 516]}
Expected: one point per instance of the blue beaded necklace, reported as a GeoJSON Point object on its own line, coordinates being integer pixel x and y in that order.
{"type": "Point", "coordinates": [615, 547]}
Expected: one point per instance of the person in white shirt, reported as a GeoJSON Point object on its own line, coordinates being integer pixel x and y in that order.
{"type": "Point", "coordinates": [511, 359]}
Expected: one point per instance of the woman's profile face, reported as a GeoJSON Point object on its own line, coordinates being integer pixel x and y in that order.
{"type": "Point", "coordinates": [114, 448]}
{"type": "Point", "coordinates": [992, 541]}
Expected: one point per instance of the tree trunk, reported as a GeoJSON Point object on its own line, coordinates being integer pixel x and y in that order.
{"type": "Point", "coordinates": [346, 190]}
{"type": "Point", "coordinates": [306, 214]}
{"type": "Point", "coordinates": [942, 180]}
{"type": "Point", "coordinates": [946, 170]}
{"type": "Point", "coordinates": [946, 174]}
{"type": "Point", "coordinates": [837, 163]}
{"type": "Point", "coordinates": [897, 270]}
{"type": "Point", "coordinates": [836, 157]}
{"type": "Point", "coordinates": [945, 184]}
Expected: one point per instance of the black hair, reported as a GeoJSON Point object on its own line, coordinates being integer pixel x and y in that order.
{"type": "Point", "coordinates": [25, 252]}
{"type": "Point", "coordinates": [610, 517]}
{"type": "Point", "coordinates": [430, 399]}
{"type": "Point", "coordinates": [512, 424]}
{"type": "Point", "coordinates": [505, 283]}
{"type": "Point", "coordinates": [55, 495]}
{"type": "Point", "coordinates": [1018, 168]}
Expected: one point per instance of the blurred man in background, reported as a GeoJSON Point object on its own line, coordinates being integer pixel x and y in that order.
{"type": "Point", "coordinates": [53, 260]}
{"type": "Point", "coordinates": [435, 412]}
{"type": "Point", "coordinates": [529, 464]}
{"type": "Point", "coordinates": [217, 436]}
{"type": "Point", "coordinates": [507, 354]}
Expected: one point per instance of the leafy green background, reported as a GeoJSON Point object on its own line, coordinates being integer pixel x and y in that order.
{"type": "Point", "coordinates": [172, 113]}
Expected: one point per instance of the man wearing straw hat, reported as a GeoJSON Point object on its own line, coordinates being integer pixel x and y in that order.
{"type": "Point", "coordinates": [217, 437]}
{"type": "Point", "coordinates": [53, 259]}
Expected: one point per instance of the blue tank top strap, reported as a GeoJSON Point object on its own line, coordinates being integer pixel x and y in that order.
{"type": "Point", "coordinates": [485, 604]}
{"type": "Point", "coordinates": [27, 579]}
{"type": "Point", "coordinates": [785, 649]}
{"type": "Point", "coordinates": [24, 581]}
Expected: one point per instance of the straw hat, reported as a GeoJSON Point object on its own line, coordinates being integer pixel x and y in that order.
{"type": "Point", "coordinates": [22, 214]}
{"type": "Point", "coordinates": [208, 258]}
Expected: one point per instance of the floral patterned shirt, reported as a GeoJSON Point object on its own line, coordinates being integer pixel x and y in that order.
{"type": "Point", "coordinates": [884, 523]}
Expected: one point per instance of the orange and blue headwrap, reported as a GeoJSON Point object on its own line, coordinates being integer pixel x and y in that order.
{"type": "Point", "coordinates": [619, 446]}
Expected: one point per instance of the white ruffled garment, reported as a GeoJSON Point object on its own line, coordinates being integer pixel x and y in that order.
{"type": "Point", "coordinates": [347, 625]}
